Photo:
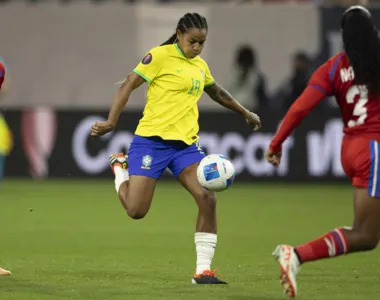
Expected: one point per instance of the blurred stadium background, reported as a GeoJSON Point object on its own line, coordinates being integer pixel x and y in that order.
{"type": "Point", "coordinates": [64, 234]}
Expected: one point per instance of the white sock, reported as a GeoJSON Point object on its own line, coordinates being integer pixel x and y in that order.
{"type": "Point", "coordinates": [205, 244]}
{"type": "Point", "coordinates": [121, 175]}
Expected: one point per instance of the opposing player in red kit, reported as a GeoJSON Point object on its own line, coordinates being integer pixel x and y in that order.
{"type": "Point", "coordinates": [3, 272]}
{"type": "Point", "coordinates": [353, 77]}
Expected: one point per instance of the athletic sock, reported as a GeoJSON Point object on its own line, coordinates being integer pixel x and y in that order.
{"type": "Point", "coordinates": [205, 244]}
{"type": "Point", "coordinates": [333, 243]}
{"type": "Point", "coordinates": [121, 175]}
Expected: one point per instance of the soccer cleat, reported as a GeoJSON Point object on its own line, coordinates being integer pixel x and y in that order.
{"type": "Point", "coordinates": [207, 277]}
{"type": "Point", "coordinates": [5, 272]}
{"type": "Point", "coordinates": [290, 266]}
{"type": "Point", "coordinates": [118, 160]}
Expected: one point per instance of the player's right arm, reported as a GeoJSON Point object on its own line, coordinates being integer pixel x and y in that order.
{"type": "Point", "coordinates": [146, 70]}
{"type": "Point", "coordinates": [319, 87]}
{"type": "Point", "coordinates": [132, 82]}
{"type": "Point", "coordinates": [121, 98]}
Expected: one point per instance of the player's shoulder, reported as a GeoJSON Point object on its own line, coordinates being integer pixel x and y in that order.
{"type": "Point", "coordinates": [331, 65]}
{"type": "Point", "coordinates": [201, 61]}
{"type": "Point", "coordinates": [335, 60]}
{"type": "Point", "coordinates": [160, 50]}
{"type": "Point", "coordinates": [154, 54]}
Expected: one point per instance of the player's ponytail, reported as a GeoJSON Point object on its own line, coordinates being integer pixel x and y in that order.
{"type": "Point", "coordinates": [362, 45]}
{"type": "Point", "coordinates": [188, 21]}
{"type": "Point", "coordinates": [171, 40]}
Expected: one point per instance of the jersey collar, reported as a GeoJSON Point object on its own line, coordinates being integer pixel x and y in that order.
{"type": "Point", "coordinates": [179, 50]}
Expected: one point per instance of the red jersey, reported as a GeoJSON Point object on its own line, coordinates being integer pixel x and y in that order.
{"type": "Point", "coordinates": [2, 74]}
{"type": "Point", "coordinates": [360, 112]}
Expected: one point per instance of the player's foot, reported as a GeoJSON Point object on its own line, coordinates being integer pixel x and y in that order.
{"type": "Point", "coordinates": [5, 272]}
{"type": "Point", "coordinates": [118, 160]}
{"type": "Point", "coordinates": [207, 277]}
{"type": "Point", "coordinates": [289, 264]}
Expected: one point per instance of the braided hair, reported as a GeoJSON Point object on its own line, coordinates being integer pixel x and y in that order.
{"type": "Point", "coordinates": [188, 21]}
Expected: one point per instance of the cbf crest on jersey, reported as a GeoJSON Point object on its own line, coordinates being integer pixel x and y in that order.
{"type": "Point", "coordinates": [146, 162]}
{"type": "Point", "coordinates": [147, 59]}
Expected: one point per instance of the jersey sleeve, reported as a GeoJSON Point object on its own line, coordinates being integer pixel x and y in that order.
{"type": "Point", "coordinates": [209, 80]}
{"type": "Point", "coordinates": [151, 65]}
{"type": "Point", "coordinates": [311, 96]}
{"type": "Point", "coordinates": [321, 80]}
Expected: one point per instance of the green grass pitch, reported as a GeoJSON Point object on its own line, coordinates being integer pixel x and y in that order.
{"type": "Point", "coordinates": [77, 243]}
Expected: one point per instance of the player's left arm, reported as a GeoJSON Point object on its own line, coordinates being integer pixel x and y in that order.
{"type": "Point", "coordinates": [220, 95]}
{"type": "Point", "coordinates": [224, 98]}
{"type": "Point", "coordinates": [319, 88]}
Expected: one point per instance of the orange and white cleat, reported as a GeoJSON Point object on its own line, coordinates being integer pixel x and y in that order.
{"type": "Point", "coordinates": [4, 272]}
{"type": "Point", "coordinates": [290, 266]}
{"type": "Point", "coordinates": [118, 160]}
{"type": "Point", "coordinates": [207, 277]}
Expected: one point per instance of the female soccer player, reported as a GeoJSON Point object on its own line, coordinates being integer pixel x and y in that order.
{"type": "Point", "coordinates": [5, 142]}
{"type": "Point", "coordinates": [167, 134]}
{"type": "Point", "coordinates": [353, 77]}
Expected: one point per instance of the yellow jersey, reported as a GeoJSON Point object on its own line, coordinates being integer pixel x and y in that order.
{"type": "Point", "coordinates": [175, 84]}
{"type": "Point", "coordinates": [6, 142]}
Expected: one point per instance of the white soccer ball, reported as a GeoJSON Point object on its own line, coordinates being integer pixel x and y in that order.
{"type": "Point", "coordinates": [215, 173]}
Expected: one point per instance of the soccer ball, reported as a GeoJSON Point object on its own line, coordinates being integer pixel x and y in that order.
{"type": "Point", "coordinates": [215, 173]}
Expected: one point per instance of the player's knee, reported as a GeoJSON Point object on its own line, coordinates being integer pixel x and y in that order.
{"type": "Point", "coordinates": [136, 209]}
{"type": "Point", "coordinates": [136, 213]}
{"type": "Point", "coordinates": [137, 205]}
{"type": "Point", "coordinates": [369, 241]}
{"type": "Point", "coordinates": [207, 200]}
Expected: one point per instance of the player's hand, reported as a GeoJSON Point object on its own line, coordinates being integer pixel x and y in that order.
{"type": "Point", "coordinates": [101, 128]}
{"type": "Point", "coordinates": [273, 158]}
{"type": "Point", "coordinates": [253, 120]}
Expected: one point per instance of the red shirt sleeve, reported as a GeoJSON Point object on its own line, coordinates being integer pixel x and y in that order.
{"type": "Point", "coordinates": [319, 87]}
{"type": "Point", "coordinates": [2, 74]}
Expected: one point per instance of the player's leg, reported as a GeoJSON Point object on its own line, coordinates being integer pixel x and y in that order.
{"type": "Point", "coordinates": [365, 232]}
{"type": "Point", "coordinates": [4, 272]}
{"type": "Point", "coordinates": [362, 163]}
{"type": "Point", "coordinates": [364, 235]}
{"type": "Point", "coordinates": [136, 175]}
{"type": "Point", "coordinates": [135, 192]}
{"type": "Point", "coordinates": [184, 167]}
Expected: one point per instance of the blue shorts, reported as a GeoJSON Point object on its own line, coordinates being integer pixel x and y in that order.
{"type": "Point", "coordinates": [150, 156]}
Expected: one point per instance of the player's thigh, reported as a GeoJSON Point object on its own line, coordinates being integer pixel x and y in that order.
{"type": "Point", "coordinates": [147, 160]}
{"type": "Point", "coordinates": [140, 193]}
{"type": "Point", "coordinates": [365, 161]}
{"type": "Point", "coordinates": [185, 157]}
{"type": "Point", "coordinates": [367, 215]}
